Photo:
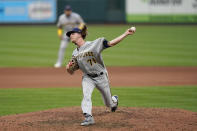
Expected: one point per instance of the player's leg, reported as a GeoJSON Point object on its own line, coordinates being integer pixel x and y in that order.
{"type": "Point", "coordinates": [63, 44]}
{"type": "Point", "coordinates": [88, 87]}
{"type": "Point", "coordinates": [103, 86]}
{"type": "Point", "coordinates": [86, 104]}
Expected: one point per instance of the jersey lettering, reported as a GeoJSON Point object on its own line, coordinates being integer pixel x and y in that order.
{"type": "Point", "coordinates": [85, 54]}
{"type": "Point", "coordinates": [91, 61]}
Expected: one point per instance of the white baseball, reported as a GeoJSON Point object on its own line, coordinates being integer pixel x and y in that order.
{"type": "Point", "coordinates": [133, 29]}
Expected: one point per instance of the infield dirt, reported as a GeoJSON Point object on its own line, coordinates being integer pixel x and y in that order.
{"type": "Point", "coordinates": [118, 76]}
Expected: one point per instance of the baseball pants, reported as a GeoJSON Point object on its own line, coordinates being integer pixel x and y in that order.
{"type": "Point", "coordinates": [88, 85]}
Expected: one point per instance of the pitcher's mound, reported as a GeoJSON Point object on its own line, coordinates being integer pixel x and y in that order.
{"type": "Point", "coordinates": [135, 119]}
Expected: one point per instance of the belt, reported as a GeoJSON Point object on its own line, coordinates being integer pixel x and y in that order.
{"type": "Point", "coordinates": [95, 75]}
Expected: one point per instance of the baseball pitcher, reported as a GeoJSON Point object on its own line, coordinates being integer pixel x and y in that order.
{"type": "Point", "coordinates": [67, 21]}
{"type": "Point", "coordinates": [87, 57]}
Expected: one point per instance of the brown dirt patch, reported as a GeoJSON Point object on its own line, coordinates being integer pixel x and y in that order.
{"type": "Point", "coordinates": [119, 76]}
{"type": "Point", "coordinates": [135, 119]}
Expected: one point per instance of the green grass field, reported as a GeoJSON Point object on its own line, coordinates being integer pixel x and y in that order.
{"type": "Point", "coordinates": [22, 46]}
{"type": "Point", "coordinates": [14, 101]}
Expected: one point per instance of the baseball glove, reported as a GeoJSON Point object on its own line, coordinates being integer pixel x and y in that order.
{"type": "Point", "coordinates": [73, 64]}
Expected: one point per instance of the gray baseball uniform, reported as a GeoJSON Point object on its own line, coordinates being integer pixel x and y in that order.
{"type": "Point", "coordinates": [90, 61]}
{"type": "Point", "coordinates": [67, 23]}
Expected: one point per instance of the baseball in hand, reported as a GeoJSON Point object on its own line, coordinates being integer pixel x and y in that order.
{"type": "Point", "coordinates": [133, 29]}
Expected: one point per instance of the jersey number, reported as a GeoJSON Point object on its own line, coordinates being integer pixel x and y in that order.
{"type": "Point", "coordinates": [91, 61]}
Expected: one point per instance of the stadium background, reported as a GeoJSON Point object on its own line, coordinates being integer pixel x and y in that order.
{"type": "Point", "coordinates": [107, 11]}
{"type": "Point", "coordinates": [165, 37]}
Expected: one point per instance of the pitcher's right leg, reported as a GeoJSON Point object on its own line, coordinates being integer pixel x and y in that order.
{"type": "Point", "coordinates": [86, 104]}
{"type": "Point", "coordinates": [88, 87]}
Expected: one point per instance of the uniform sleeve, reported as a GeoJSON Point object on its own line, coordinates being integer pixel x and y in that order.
{"type": "Point", "coordinates": [101, 44]}
{"type": "Point", "coordinates": [105, 44]}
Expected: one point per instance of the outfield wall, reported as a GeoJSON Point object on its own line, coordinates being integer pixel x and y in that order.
{"type": "Point", "coordinates": [96, 11]}
{"type": "Point", "coordinates": [100, 11]}
{"type": "Point", "coordinates": [161, 11]}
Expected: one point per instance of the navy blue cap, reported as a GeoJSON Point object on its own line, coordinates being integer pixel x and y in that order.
{"type": "Point", "coordinates": [74, 30]}
{"type": "Point", "coordinates": [68, 7]}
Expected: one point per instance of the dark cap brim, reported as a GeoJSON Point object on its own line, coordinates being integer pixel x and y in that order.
{"type": "Point", "coordinates": [69, 33]}
{"type": "Point", "coordinates": [75, 30]}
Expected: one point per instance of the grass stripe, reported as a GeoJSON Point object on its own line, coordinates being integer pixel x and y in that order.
{"type": "Point", "coordinates": [23, 100]}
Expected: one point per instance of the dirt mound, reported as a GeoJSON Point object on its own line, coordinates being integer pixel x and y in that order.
{"type": "Point", "coordinates": [135, 119]}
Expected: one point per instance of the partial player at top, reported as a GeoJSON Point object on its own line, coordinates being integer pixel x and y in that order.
{"type": "Point", "coordinates": [66, 22]}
